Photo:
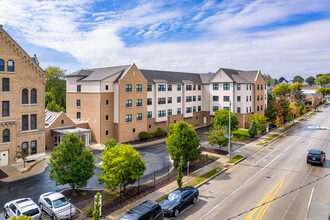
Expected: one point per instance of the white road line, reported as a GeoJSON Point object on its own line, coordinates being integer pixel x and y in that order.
{"type": "Point", "coordinates": [309, 203]}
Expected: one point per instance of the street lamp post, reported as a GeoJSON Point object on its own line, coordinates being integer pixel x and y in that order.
{"type": "Point", "coordinates": [229, 134]}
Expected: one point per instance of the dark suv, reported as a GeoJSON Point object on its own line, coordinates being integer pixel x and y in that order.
{"type": "Point", "coordinates": [316, 156]}
{"type": "Point", "coordinates": [148, 210]}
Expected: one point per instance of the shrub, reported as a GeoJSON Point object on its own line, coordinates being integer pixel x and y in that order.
{"type": "Point", "coordinates": [159, 132]}
{"type": "Point", "coordinates": [143, 135]}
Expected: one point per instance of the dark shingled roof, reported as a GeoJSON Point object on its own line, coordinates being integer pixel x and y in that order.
{"type": "Point", "coordinates": [240, 76]}
{"type": "Point", "coordinates": [170, 77]}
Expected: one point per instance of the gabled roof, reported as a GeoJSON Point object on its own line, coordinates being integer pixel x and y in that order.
{"type": "Point", "coordinates": [240, 76]}
{"type": "Point", "coordinates": [50, 117]}
{"type": "Point", "coordinates": [169, 76]}
{"type": "Point", "coordinates": [206, 78]}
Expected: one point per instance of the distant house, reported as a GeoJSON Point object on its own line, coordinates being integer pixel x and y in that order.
{"type": "Point", "coordinates": [312, 97]}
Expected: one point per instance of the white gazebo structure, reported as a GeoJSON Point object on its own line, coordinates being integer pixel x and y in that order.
{"type": "Point", "coordinates": [82, 133]}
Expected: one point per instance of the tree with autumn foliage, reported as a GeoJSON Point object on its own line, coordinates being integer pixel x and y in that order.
{"type": "Point", "coordinates": [278, 121]}
{"type": "Point", "coordinates": [281, 89]}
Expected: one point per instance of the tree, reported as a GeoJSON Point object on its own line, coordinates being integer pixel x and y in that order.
{"type": "Point", "coordinates": [323, 91]}
{"type": "Point", "coordinates": [216, 136]}
{"type": "Point", "coordinates": [274, 81]}
{"type": "Point", "coordinates": [22, 154]}
{"type": "Point", "coordinates": [110, 143]}
{"type": "Point", "coordinates": [298, 79]}
{"type": "Point", "coordinates": [278, 121]}
{"type": "Point", "coordinates": [322, 80]}
{"type": "Point", "coordinates": [56, 84]}
{"type": "Point", "coordinates": [122, 165]}
{"type": "Point", "coordinates": [271, 112]}
{"type": "Point", "coordinates": [52, 106]}
{"type": "Point", "coordinates": [310, 80]}
{"type": "Point", "coordinates": [70, 163]}
{"type": "Point", "coordinates": [304, 111]}
{"type": "Point", "coordinates": [260, 120]}
{"type": "Point", "coordinates": [96, 212]}
{"type": "Point", "coordinates": [180, 175]}
{"type": "Point", "coordinates": [49, 97]}
{"type": "Point", "coordinates": [253, 129]}
{"type": "Point", "coordinates": [297, 94]}
{"type": "Point", "coordinates": [221, 118]}
{"type": "Point", "coordinates": [182, 141]}
{"type": "Point", "coordinates": [281, 90]}
{"type": "Point", "coordinates": [288, 118]}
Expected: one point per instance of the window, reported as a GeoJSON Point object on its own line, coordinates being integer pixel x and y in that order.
{"type": "Point", "coordinates": [33, 121]}
{"type": "Point", "coordinates": [5, 136]}
{"type": "Point", "coordinates": [25, 96]}
{"type": "Point", "coordinates": [2, 65]}
{"type": "Point", "coordinates": [162, 87]}
{"type": "Point", "coordinates": [261, 97]}
{"type": "Point", "coordinates": [227, 108]}
{"type": "Point", "coordinates": [247, 86]}
{"type": "Point", "coordinates": [106, 87]}
{"type": "Point", "coordinates": [199, 108]}
{"type": "Point", "coordinates": [250, 86]}
{"type": "Point", "coordinates": [161, 101]}
{"type": "Point", "coordinates": [261, 107]}
{"type": "Point", "coordinates": [128, 87]}
{"type": "Point", "coordinates": [265, 96]}
{"type": "Point", "coordinates": [78, 102]}
{"type": "Point", "coordinates": [5, 85]}
{"type": "Point", "coordinates": [215, 86]}
{"type": "Point", "coordinates": [199, 87]}
{"type": "Point", "coordinates": [188, 87]}
{"type": "Point", "coordinates": [128, 103]}
{"type": "Point", "coordinates": [139, 87]}
{"type": "Point", "coordinates": [247, 109]}
{"type": "Point", "coordinates": [107, 117]}
{"type": "Point", "coordinates": [178, 99]}
{"type": "Point", "coordinates": [258, 87]}
{"type": "Point", "coordinates": [169, 100]}
{"type": "Point", "coordinates": [25, 146]}
{"type": "Point", "coordinates": [106, 133]}
{"type": "Point", "coordinates": [161, 113]}
{"type": "Point", "coordinates": [149, 88]}
{"type": "Point", "coordinates": [133, 130]}
{"type": "Point", "coordinates": [149, 126]}
{"type": "Point", "coordinates": [62, 122]}
{"type": "Point", "coordinates": [247, 98]}
{"type": "Point", "coordinates": [139, 102]}
{"type": "Point", "coordinates": [250, 98]}
{"type": "Point", "coordinates": [169, 112]}
{"type": "Point", "coordinates": [199, 98]}
{"type": "Point", "coordinates": [257, 98]}
{"type": "Point", "coordinates": [215, 108]}
{"type": "Point", "coordinates": [265, 86]}
{"type": "Point", "coordinates": [188, 99]}
{"type": "Point", "coordinates": [194, 108]}
{"type": "Point", "coordinates": [139, 116]}
{"type": "Point", "coordinates": [250, 108]}
{"type": "Point", "coordinates": [10, 66]}
{"type": "Point", "coordinates": [5, 108]}
{"type": "Point", "coordinates": [226, 98]}
{"type": "Point", "coordinates": [178, 87]}
{"type": "Point", "coordinates": [78, 88]}
{"type": "Point", "coordinates": [226, 86]}
{"type": "Point", "coordinates": [258, 108]}
{"type": "Point", "coordinates": [25, 122]}
{"type": "Point", "coordinates": [33, 147]}
{"type": "Point", "coordinates": [261, 87]}
{"type": "Point", "coordinates": [128, 118]}
{"type": "Point", "coordinates": [238, 109]}
{"type": "Point", "coordinates": [33, 96]}
{"type": "Point", "coordinates": [194, 98]}
{"type": "Point", "coordinates": [194, 87]}
{"type": "Point", "coordinates": [169, 88]}
{"type": "Point", "coordinates": [178, 111]}
{"type": "Point", "coordinates": [106, 102]}
{"type": "Point", "coordinates": [188, 110]}
{"type": "Point", "coordinates": [238, 86]}
{"type": "Point", "coordinates": [149, 115]}
{"type": "Point", "coordinates": [78, 115]}
{"type": "Point", "coordinates": [238, 98]}
{"type": "Point", "coordinates": [149, 101]}
{"type": "Point", "coordinates": [215, 98]}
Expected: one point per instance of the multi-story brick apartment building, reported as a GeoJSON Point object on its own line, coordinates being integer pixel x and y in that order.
{"type": "Point", "coordinates": [22, 97]}
{"type": "Point", "coordinates": [120, 102]}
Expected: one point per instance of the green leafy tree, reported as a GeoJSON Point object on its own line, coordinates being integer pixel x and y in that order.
{"type": "Point", "coordinates": [304, 111]}
{"type": "Point", "coordinates": [288, 118]}
{"type": "Point", "coordinates": [271, 111]}
{"type": "Point", "coordinates": [21, 217]}
{"type": "Point", "coordinates": [180, 174]}
{"type": "Point", "coordinates": [310, 80]}
{"type": "Point", "coordinates": [49, 97]}
{"type": "Point", "coordinates": [216, 136]}
{"type": "Point", "coordinates": [260, 120]}
{"type": "Point", "coordinates": [182, 141]}
{"type": "Point", "coordinates": [274, 81]}
{"type": "Point", "coordinates": [70, 163]}
{"type": "Point", "coordinates": [110, 143]}
{"type": "Point", "coordinates": [323, 91]}
{"type": "Point", "coordinates": [52, 106]}
{"type": "Point", "coordinates": [22, 154]}
{"type": "Point", "coordinates": [97, 207]}
{"type": "Point", "coordinates": [221, 118]}
{"type": "Point", "coordinates": [322, 80]}
{"type": "Point", "coordinates": [298, 79]}
{"type": "Point", "coordinates": [56, 84]}
{"type": "Point", "coordinates": [297, 93]}
{"type": "Point", "coordinates": [281, 90]}
{"type": "Point", "coordinates": [253, 129]}
{"type": "Point", "coordinates": [122, 165]}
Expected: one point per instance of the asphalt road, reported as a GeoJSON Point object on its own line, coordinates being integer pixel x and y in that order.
{"type": "Point", "coordinates": [277, 174]}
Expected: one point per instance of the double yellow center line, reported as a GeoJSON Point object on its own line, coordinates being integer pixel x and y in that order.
{"type": "Point", "coordinates": [264, 203]}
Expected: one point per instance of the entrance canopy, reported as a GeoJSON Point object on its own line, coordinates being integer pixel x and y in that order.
{"type": "Point", "coordinates": [60, 132]}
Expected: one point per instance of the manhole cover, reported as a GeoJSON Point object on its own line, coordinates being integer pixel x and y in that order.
{"type": "Point", "coordinates": [268, 177]}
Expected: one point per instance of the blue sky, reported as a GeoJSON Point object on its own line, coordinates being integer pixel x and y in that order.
{"type": "Point", "coordinates": [281, 38]}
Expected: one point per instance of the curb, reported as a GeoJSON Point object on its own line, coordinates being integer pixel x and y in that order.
{"type": "Point", "coordinates": [205, 181]}
{"type": "Point", "coordinates": [240, 160]}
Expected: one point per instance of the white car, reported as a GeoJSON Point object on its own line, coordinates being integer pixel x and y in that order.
{"type": "Point", "coordinates": [24, 206]}
{"type": "Point", "coordinates": [56, 205]}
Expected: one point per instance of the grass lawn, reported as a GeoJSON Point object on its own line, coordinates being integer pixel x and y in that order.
{"type": "Point", "coordinates": [240, 132]}
{"type": "Point", "coordinates": [272, 137]}
{"type": "Point", "coordinates": [235, 159]}
{"type": "Point", "coordinates": [261, 144]}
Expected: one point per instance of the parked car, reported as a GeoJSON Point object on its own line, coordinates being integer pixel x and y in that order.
{"type": "Point", "coordinates": [178, 200]}
{"type": "Point", "coordinates": [24, 206]}
{"type": "Point", "coordinates": [147, 210]}
{"type": "Point", "coordinates": [316, 156]}
{"type": "Point", "coordinates": [56, 205]}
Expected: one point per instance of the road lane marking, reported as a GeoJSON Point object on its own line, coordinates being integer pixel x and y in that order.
{"type": "Point", "coordinates": [261, 202]}
{"type": "Point", "coordinates": [309, 203]}
{"type": "Point", "coordinates": [264, 209]}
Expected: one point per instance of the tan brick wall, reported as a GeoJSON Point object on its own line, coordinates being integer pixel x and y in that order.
{"type": "Point", "coordinates": [197, 118]}
{"type": "Point", "coordinates": [173, 119]}
{"type": "Point", "coordinates": [261, 92]}
{"type": "Point", "coordinates": [107, 110]}
{"type": "Point", "coordinates": [125, 130]}
{"type": "Point", "coordinates": [243, 120]}
{"type": "Point", "coordinates": [27, 75]}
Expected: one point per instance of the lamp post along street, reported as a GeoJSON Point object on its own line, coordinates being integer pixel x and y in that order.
{"type": "Point", "coordinates": [229, 134]}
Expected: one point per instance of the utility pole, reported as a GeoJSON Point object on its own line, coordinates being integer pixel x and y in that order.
{"type": "Point", "coordinates": [293, 108]}
{"type": "Point", "coordinates": [229, 134]}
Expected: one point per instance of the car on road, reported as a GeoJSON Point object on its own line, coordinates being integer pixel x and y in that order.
{"type": "Point", "coordinates": [147, 210]}
{"type": "Point", "coordinates": [179, 200]}
{"type": "Point", "coordinates": [316, 156]}
{"type": "Point", "coordinates": [24, 206]}
{"type": "Point", "coordinates": [56, 205]}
